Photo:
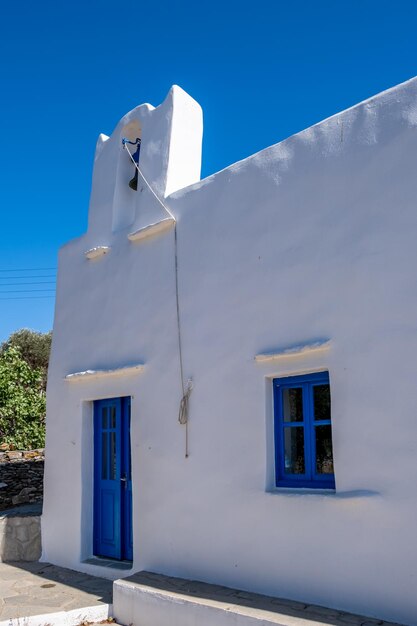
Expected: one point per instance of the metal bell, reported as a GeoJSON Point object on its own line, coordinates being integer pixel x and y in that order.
{"type": "Point", "coordinates": [133, 182]}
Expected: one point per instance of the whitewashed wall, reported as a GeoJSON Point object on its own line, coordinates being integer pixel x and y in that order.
{"type": "Point", "coordinates": [311, 239]}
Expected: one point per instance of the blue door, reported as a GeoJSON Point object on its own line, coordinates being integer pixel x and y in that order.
{"type": "Point", "coordinates": [112, 479]}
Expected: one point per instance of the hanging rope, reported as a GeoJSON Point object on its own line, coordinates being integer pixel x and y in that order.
{"type": "Point", "coordinates": [148, 185]}
{"type": "Point", "coordinates": [186, 390]}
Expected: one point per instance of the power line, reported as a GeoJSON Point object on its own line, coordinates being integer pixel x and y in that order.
{"type": "Point", "coordinates": [27, 297]}
{"type": "Point", "coordinates": [22, 277]}
{"type": "Point", "coordinates": [29, 269]}
{"type": "Point", "coordinates": [50, 282]}
{"type": "Point", "coordinates": [25, 290]}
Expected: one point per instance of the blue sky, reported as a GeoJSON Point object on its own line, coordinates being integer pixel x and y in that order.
{"type": "Point", "coordinates": [69, 70]}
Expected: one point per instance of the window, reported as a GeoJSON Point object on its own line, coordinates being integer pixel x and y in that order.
{"type": "Point", "coordinates": [303, 433]}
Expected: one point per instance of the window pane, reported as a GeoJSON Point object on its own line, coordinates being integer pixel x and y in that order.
{"type": "Point", "coordinates": [104, 456]}
{"type": "Point", "coordinates": [104, 417]}
{"type": "Point", "coordinates": [294, 450]}
{"type": "Point", "coordinates": [321, 395]}
{"type": "Point", "coordinates": [324, 450]}
{"type": "Point", "coordinates": [293, 404]}
{"type": "Point", "coordinates": [112, 456]}
{"type": "Point", "coordinates": [113, 417]}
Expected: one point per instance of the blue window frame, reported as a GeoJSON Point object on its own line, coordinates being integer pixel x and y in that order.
{"type": "Point", "coordinates": [303, 432]}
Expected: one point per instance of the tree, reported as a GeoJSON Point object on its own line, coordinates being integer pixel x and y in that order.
{"type": "Point", "coordinates": [34, 348]}
{"type": "Point", "coordinates": [22, 401]}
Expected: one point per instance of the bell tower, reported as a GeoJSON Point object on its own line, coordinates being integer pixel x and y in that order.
{"type": "Point", "coordinates": [166, 142]}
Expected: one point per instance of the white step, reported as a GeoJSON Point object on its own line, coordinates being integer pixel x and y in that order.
{"type": "Point", "coordinates": [148, 599]}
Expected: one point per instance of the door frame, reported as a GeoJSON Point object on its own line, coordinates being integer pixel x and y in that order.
{"type": "Point", "coordinates": [114, 490]}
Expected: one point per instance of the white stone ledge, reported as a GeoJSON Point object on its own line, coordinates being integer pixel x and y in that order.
{"type": "Point", "coordinates": [151, 230]}
{"type": "Point", "coordinates": [97, 252]}
{"type": "Point", "coordinates": [92, 374]}
{"type": "Point", "coordinates": [294, 351]}
{"type": "Point", "coordinates": [324, 493]}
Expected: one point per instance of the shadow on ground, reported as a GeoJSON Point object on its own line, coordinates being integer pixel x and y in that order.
{"type": "Point", "coordinates": [34, 588]}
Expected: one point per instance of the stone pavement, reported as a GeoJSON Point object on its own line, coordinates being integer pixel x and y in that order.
{"type": "Point", "coordinates": [39, 588]}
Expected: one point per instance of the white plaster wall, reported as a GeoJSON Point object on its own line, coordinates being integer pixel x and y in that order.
{"type": "Point", "coordinates": [313, 238]}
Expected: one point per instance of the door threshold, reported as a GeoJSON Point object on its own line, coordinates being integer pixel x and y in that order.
{"type": "Point", "coordinates": [112, 563]}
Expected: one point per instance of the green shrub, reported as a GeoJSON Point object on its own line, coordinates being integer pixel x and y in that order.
{"type": "Point", "coordinates": [34, 348]}
{"type": "Point", "coordinates": [22, 401]}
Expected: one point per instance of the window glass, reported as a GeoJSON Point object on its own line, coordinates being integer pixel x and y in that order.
{"type": "Point", "coordinates": [324, 450]}
{"type": "Point", "coordinates": [294, 450]}
{"type": "Point", "coordinates": [321, 395]}
{"type": "Point", "coordinates": [292, 399]}
{"type": "Point", "coordinates": [104, 417]}
{"type": "Point", "coordinates": [112, 455]}
{"type": "Point", "coordinates": [104, 456]}
{"type": "Point", "coordinates": [112, 417]}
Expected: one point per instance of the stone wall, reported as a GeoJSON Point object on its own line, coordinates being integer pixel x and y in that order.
{"type": "Point", "coordinates": [21, 477]}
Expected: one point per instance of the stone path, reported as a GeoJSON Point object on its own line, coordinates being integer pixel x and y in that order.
{"type": "Point", "coordinates": [39, 588]}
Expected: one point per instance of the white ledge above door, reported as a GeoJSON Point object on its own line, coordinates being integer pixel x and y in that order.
{"type": "Point", "coordinates": [111, 373]}
{"type": "Point", "coordinates": [294, 351]}
{"type": "Point", "coordinates": [97, 252]}
{"type": "Point", "coordinates": [151, 230]}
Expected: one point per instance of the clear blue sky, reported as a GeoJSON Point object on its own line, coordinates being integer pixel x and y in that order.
{"type": "Point", "coordinates": [70, 69]}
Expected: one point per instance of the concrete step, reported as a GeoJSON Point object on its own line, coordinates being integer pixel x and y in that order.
{"type": "Point", "coordinates": [149, 599]}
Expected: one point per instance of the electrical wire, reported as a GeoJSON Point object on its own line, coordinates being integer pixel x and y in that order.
{"type": "Point", "coordinates": [50, 282]}
{"type": "Point", "coordinates": [25, 290]}
{"type": "Point", "coordinates": [26, 297]}
{"type": "Point", "coordinates": [29, 269]}
{"type": "Point", "coordinates": [14, 277]}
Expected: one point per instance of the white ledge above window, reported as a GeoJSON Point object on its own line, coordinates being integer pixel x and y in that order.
{"type": "Point", "coordinates": [92, 374]}
{"type": "Point", "coordinates": [294, 351]}
{"type": "Point", "coordinates": [98, 251]}
{"type": "Point", "coordinates": [151, 230]}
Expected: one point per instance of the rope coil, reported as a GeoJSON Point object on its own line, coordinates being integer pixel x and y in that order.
{"type": "Point", "coordinates": [183, 412]}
